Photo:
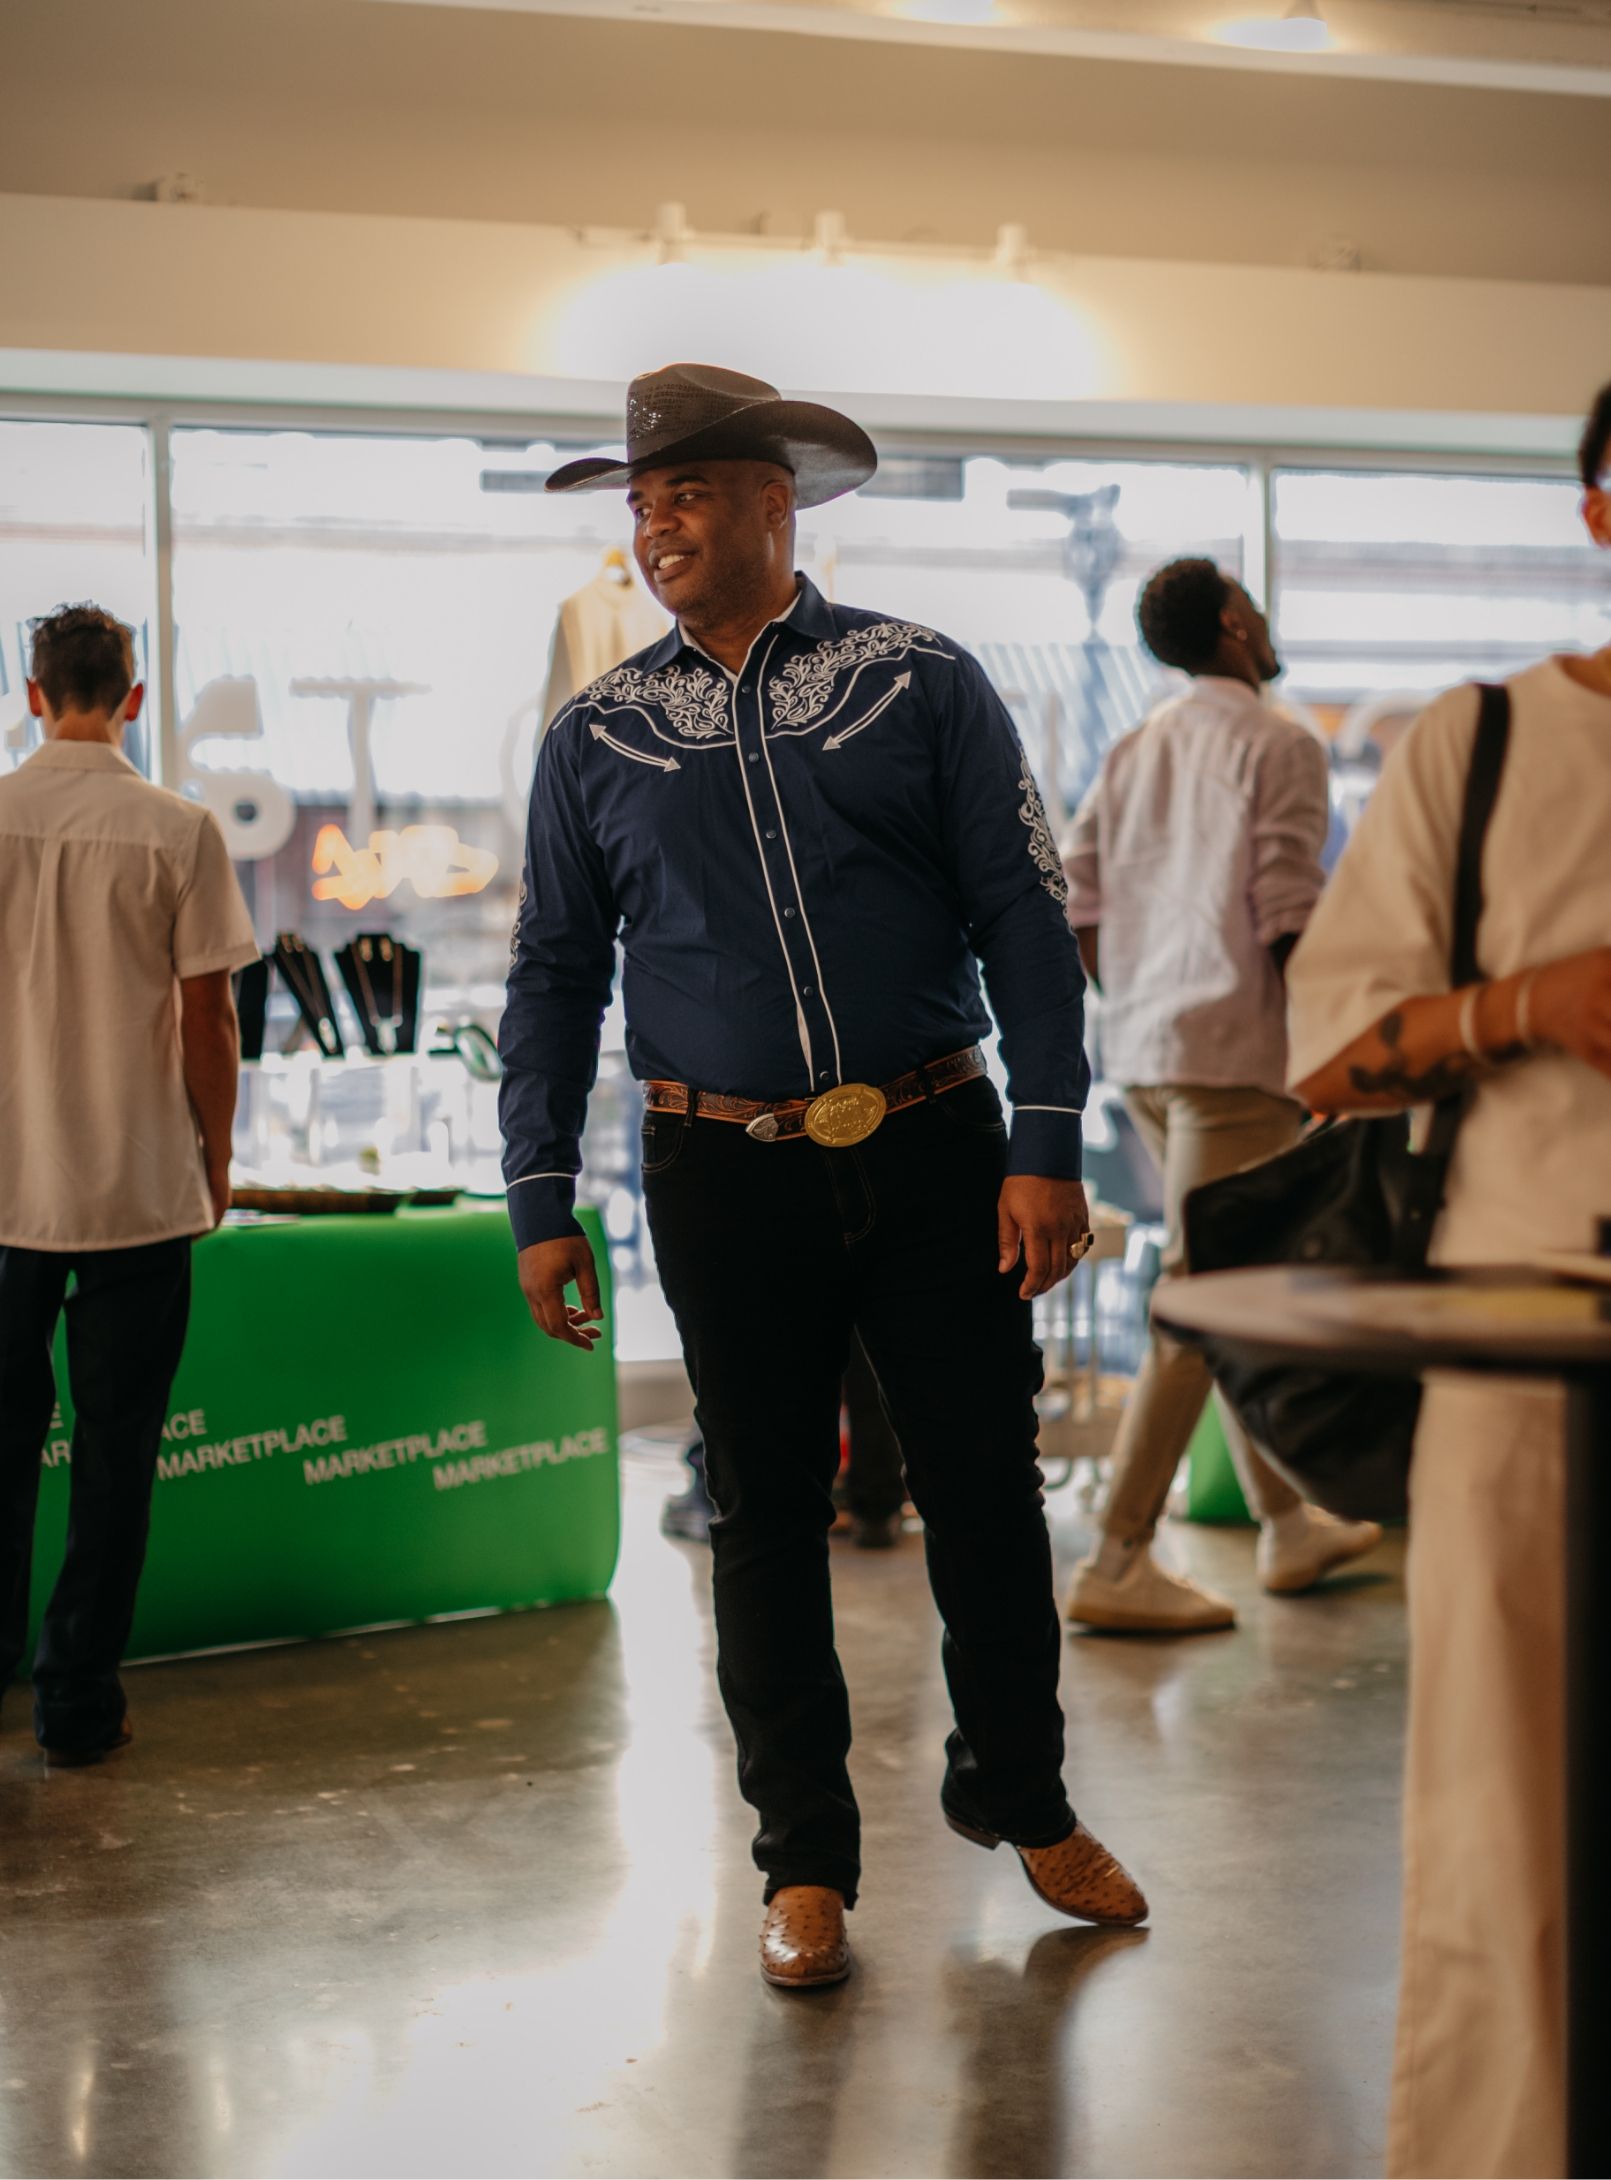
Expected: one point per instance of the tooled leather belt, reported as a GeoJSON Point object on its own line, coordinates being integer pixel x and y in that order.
{"type": "Point", "coordinates": [842, 1116]}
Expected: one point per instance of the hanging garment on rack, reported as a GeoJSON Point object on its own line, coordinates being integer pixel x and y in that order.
{"type": "Point", "coordinates": [605, 622]}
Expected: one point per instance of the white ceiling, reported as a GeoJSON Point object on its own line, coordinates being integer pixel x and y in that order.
{"type": "Point", "coordinates": [1561, 46]}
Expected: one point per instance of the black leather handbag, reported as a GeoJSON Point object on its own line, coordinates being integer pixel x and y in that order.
{"type": "Point", "coordinates": [1351, 1192]}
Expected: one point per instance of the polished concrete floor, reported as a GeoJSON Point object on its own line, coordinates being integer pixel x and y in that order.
{"type": "Point", "coordinates": [476, 1899]}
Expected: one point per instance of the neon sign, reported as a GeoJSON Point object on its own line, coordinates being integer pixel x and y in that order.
{"type": "Point", "coordinates": [431, 858]}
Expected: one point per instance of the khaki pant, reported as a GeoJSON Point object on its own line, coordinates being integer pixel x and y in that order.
{"type": "Point", "coordinates": [1480, 2069]}
{"type": "Point", "coordinates": [1195, 1135]}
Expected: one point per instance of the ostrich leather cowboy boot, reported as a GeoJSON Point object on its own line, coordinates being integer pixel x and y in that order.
{"type": "Point", "coordinates": [803, 1942]}
{"type": "Point", "coordinates": [1077, 1876]}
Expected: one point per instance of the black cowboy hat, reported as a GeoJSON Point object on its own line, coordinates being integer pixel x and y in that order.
{"type": "Point", "coordinates": [694, 412]}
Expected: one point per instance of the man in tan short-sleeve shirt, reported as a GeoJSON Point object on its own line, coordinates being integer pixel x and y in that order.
{"type": "Point", "coordinates": [120, 921]}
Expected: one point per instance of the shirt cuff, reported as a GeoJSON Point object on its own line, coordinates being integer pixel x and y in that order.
{"type": "Point", "coordinates": [543, 1208]}
{"type": "Point", "coordinates": [1045, 1141]}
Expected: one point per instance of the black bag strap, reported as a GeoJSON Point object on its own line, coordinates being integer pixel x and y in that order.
{"type": "Point", "coordinates": [1429, 1172]}
{"type": "Point", "coordinates": [1482, 792]}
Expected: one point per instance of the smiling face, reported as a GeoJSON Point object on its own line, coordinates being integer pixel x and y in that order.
{"type": "Point", "coordinates": [714, 540]}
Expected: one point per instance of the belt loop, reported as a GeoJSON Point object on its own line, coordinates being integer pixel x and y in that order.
{"type": "Point", "coordinates": [691, 1111]}
{"type": "Point", "coordinates": [922, 1073]}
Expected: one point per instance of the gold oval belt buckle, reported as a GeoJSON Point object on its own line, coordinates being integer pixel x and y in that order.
{"type": "Point", "coordinates": [845, 1115]}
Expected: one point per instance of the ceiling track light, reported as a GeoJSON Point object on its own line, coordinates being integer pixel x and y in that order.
{"type": "Point", "coordinates": [1300, 28]}
{"type": "Point", "coordinates": [672, 233]}
{"type": "Point", "coordinates": [1011, 260]}
{"type": "Point", "coordinates": [829, 238]}
{"type": "Point", "coordinates": [828, 242]}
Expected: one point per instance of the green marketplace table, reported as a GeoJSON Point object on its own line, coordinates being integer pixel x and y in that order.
{"type": "Point", "coordinates": [366, 1428]}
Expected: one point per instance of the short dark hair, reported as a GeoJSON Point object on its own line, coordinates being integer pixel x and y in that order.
{"type": "Point", "coordinates": [1179, 614]}
{"type": "Point", "coordinates": [1595, 446]}
{"type": "Point", "coordinates": [83, 659]}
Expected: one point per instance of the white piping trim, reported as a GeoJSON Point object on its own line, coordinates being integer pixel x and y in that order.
{"type": "Point", "coordinates": [525, 1177]}
{"type": "Point", "coordinates": [1077, 1111]}
{"type": "Point", "coordinates": [788, 849]}
{"type": "Point", "coordinates": [755, 828]}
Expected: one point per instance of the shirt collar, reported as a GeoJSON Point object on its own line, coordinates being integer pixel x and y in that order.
{"type": "Point", "coordinates": [1228, 685]}
{"type": "Point", "coordinates": [810, 615]}
{"type": "Point", "coordinates": [80, 757]}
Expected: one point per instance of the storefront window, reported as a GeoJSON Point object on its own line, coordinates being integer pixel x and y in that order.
{"type": "Point", "coordinates": [75, 525]}
{"type": "Point", "coordinates": [1398, 585]}
{"type": "Point", "coordinates": [362, 638]}
{"type": "Point", "coordinates": [1392, 585]}
{"type": "Point", "coordinates": [362, 653]}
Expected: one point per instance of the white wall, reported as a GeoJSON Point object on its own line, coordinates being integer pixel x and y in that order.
{"type": "Point", "coordinates": [341, 306]}
{"type": "Point", "coordinates": [403, 194]}
{"type": "Point", "coordinates": [459, 112]}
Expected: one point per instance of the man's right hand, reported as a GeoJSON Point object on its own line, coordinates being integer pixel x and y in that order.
{"type": "Point", "coordinates": [547, 1268]}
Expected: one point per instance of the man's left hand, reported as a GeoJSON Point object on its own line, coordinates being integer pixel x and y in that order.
{"type": "Point", "coordinates": [1041, 1220]}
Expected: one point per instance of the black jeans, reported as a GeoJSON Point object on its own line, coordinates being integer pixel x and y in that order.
{"type": "Point", "coordinates": [126, 1323]}
{"type": "Point", "coordinates": [770, 1254]}
{"type": "Point", "coordinates": [873, 1486]}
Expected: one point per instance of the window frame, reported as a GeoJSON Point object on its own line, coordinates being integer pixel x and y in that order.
{"type": "Point", "coordinates": [1260, 458]}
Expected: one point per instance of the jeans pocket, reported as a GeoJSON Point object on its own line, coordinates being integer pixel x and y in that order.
{"type": "Point", "coordinates": [973, 1108]}
{"type": "Point", "coordinates": [663, 1138]}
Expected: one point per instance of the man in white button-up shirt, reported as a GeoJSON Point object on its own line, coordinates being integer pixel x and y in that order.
{"type": "Point", "coordinates": [120, 921]}
{"type": "Point", "coordinates": [1193, 865]}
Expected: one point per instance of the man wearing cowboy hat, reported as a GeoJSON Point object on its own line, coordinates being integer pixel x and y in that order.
{"type": "Point", "coordinates": [810, 826]}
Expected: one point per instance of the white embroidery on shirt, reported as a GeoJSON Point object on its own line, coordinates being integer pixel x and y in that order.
{"type": "Point", "coordinates": [802, 692]}
{"type": "Point", "coordinates": [813, 688]}
{"type": "Point", "coordinates": [601, 733]}
{"type": "Point", "coordinates": [693, 698]}
{"type": "Point", "coordinates": [897, 688]}
{"type": "Point", "coordinates": [1042, 847]}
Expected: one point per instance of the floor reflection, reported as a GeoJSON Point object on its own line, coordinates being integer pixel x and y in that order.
{"type": "Point", "coordinates": [478, 1899]}
{"type": "Point", "coordinates": [1019, 2105]}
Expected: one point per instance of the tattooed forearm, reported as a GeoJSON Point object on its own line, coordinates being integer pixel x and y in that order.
{"type": "Point", "coordinates": [1395, 1084]}
{"type": "Point", "coordinates": [1388, 1073]}
{"type": "Point", "coordinates": [1412, 1057]}
{"type": "Point", "coordinates": [1417, 1053]}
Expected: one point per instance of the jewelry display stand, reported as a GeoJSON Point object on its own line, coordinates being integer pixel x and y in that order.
{"type": "Point", "coordinates": [251, 1007]}
{"type": "Point", "coordinates": [381, 1116]}
{"type": "Point", "coordinates": [308, 985]}
{"type": "Point", "coordinates": [382, 976]}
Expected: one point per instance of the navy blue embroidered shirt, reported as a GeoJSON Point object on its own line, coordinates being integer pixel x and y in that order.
{"type": "Point", "coordinates": [807, 863]}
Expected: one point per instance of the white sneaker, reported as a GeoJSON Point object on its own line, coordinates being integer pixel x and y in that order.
{"type": "Point", "coordinates": [1122, 1589]}
{"type": "Point", "coordinates": [1297, 1549]}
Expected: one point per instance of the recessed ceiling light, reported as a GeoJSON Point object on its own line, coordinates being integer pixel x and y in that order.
{"type": "Point", "coordinates": [1301, 28]}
